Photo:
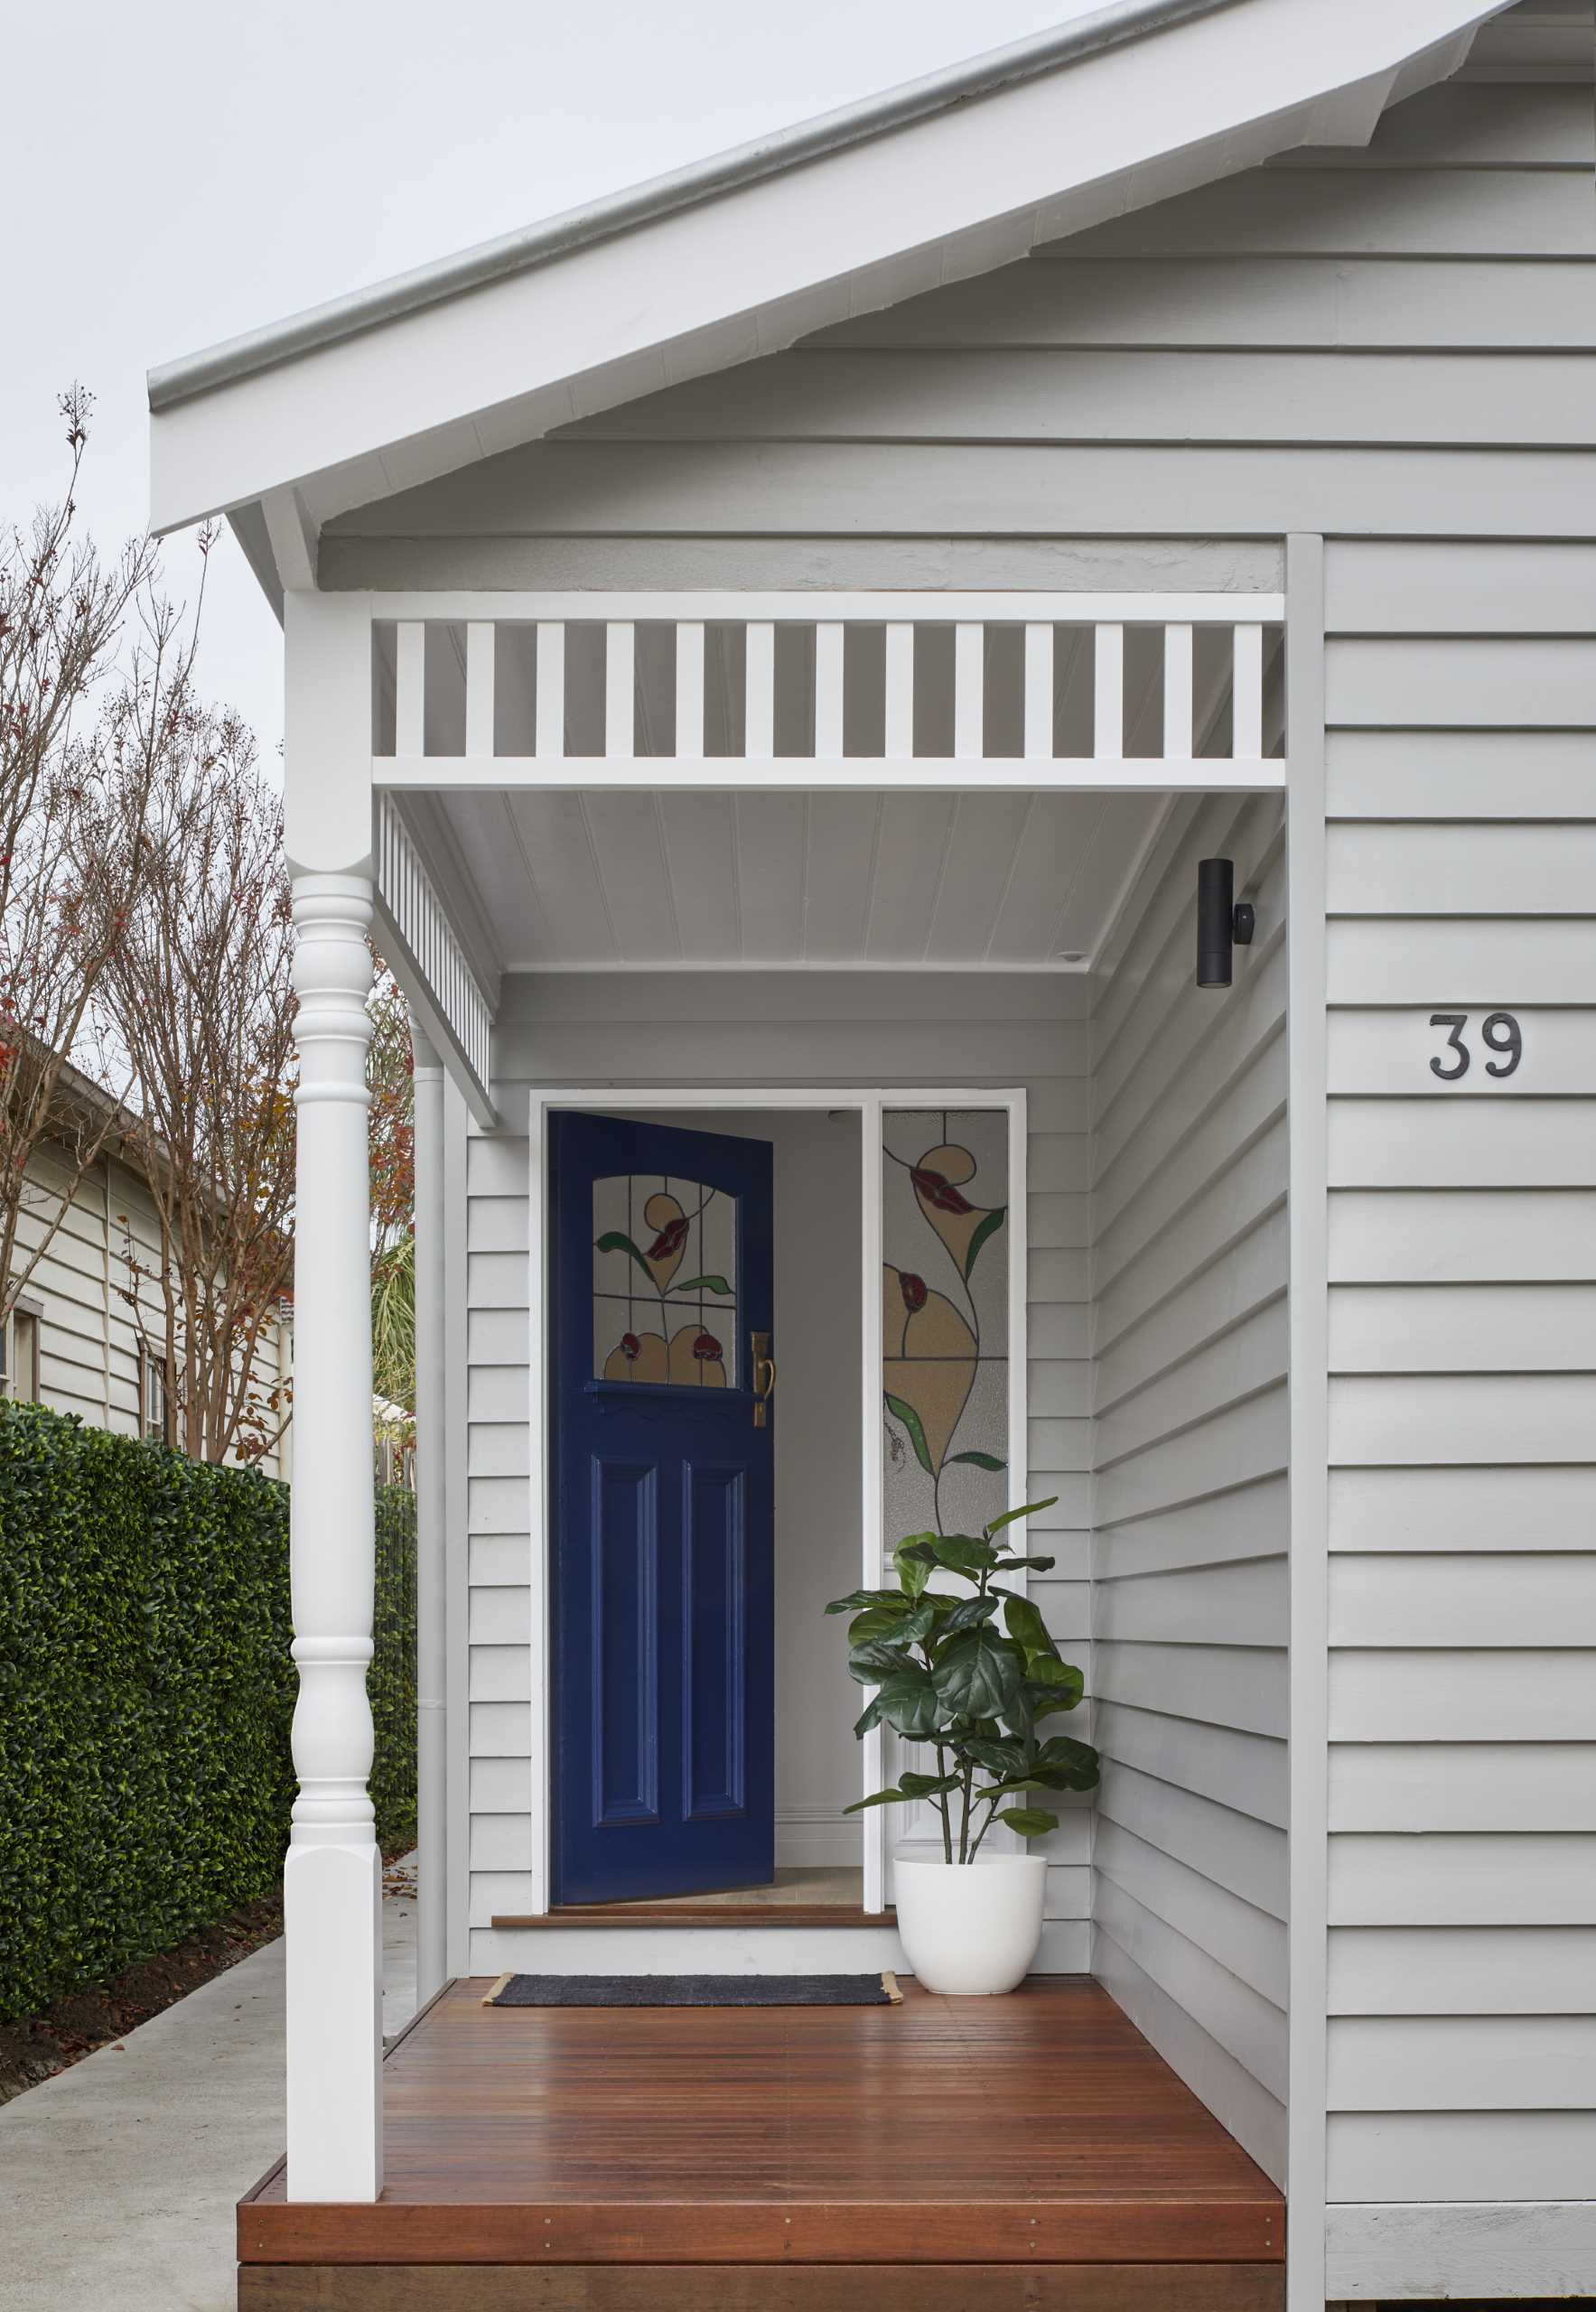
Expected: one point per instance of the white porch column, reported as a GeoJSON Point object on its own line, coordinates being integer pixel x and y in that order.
{"type": "Point", "coordinates": [332, 1882]}
{"type": "Point", "coordinates": [431, 1515]}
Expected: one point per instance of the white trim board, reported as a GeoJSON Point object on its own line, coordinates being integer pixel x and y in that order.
{"type": "Point", "coordinates": [1433, 2249]}
{"type": "Point", "coordinates": [714, 1099]}
{"type": "Point", "coordinates": [922, 775]}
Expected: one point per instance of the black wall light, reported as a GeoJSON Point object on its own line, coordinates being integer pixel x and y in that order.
{"type": "Point", "coordinates": [1222, 921]}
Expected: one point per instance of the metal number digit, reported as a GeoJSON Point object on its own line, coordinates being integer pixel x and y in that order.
{"type": "Point", "coordinates": [1502, 1033]}
{"type": "Point", "coordinates": [1455, 1022]}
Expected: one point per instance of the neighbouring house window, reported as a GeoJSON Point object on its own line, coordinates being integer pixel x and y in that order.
{"type": "Point", "coordinates": [154, 1400]}
{"type": "Point", "coordinates": [944, 1321]}
{"type": "Point", "coordinates": [664, 1281]}
{"type": "Point", "coordinates": [19, 1357]}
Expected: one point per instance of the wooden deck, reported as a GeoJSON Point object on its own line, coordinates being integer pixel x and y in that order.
{"type": "Point", "coordinates": [1029, 2154]}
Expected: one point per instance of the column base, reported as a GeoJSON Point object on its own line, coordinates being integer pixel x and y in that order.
{"type": "Point", "coordinates": [332, 1922]}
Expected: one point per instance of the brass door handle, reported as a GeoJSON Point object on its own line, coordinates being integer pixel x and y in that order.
{"type": "Point", "coordinates": [764, 1376]}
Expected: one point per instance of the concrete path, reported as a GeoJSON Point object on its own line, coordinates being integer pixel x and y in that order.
{"type": "Point", "coordinates": [118, 2177]}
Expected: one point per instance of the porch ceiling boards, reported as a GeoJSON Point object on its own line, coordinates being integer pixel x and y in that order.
{"type": "Point", "coordinates": [1030, 2152]}
{"type": "Point", "coordinates": [972, 879]}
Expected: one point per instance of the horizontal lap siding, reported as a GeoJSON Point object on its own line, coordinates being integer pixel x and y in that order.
{"type": "Point", "coordinates": [1189, 1571]}
{"type": "Point", "coordinates": [1461, 771]}
{"type": "Point", "coordinates": [767, 1030]}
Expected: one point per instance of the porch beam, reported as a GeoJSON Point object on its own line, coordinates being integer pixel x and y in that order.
{"type": "Point", "coordinates": [736, 606]}
{"type": "Point", "coordinates": [871, 774]}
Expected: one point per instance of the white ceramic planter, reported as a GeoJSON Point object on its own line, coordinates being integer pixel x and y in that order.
{"type": "Point", "coordinates": [970, 1929]}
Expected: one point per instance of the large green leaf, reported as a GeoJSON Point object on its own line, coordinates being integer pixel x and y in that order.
{"type": "Point", "coordinates": [701, 1284]}
{"type": "Point", "coordinates": [1063, 1677]}
{"type": "Point", "coordinates": [877, 1798]}
{"type": "Point", "coordinates": [990, 1753]}
{"type": "Point", "coordinates": [857, 1598]}
{"type": "Point", "coordinates": [871, 1663]}
{"type": "Point", "coordinates": [1030, 1821]}
{"type": "Point", "coordinates": [917, 1435]}
{"type": "Point", "coordinates": [1026, 1627]}
{"type": "Point", "coordinates": [963, 1553]}
{"type": "Point", "coordinates": [1044, 1693]}
{"type": "Point", "coordinates": [1010, 1564]}
{"type": "Point", "coordinates": [1061, 1777]}
{"type": "Point", "coordinates": [914, 1568]}
{"type": "Point", "coordinates": [871, 1715]}
{"type": "Point", "coordinates": [986, 1226]}
{"type": "Point", "coordinates": [978, 1461]}
{"type": "Point", "coordinates": [1026, 1509]}
{"type": "Point", "coordinates": [967, 1614]}
{"type": "Point", "coordinates": [910, 1702]}
{"type": "Point", "coordinates": [1077, 1761]}
{"type": "Point", "coordinates": [978, 1674]}
{"type": "Point", "coordinates": [926, 1785]}
{"type": "Point", "coordinates": [906, 1626]}
{"type": "Point", "coordinates": [614, 1240]}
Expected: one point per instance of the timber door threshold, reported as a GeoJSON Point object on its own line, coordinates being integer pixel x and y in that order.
{"type": "Point", "coordinates": [697, 1912]}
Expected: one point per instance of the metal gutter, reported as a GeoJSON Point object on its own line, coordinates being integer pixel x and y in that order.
{"type": "Point", "coordinates": [1120, 21]}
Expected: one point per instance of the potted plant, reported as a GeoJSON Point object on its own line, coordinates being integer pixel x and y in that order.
{"type": "Point", "coordinates": [947, 1676]}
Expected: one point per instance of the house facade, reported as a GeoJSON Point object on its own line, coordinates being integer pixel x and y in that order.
{"type": "Point", "coordinates": [771, 653]}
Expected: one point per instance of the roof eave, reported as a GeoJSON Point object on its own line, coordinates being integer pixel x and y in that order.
{"type": "Point", "coordinates": [663, 196]}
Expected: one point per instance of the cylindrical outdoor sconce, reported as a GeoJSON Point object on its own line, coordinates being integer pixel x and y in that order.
{"type": "Point", "coordinates": [1221, 923]}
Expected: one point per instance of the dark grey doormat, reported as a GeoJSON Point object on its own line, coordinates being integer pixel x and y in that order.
{"type": "Point", "coordinates": [695, 1990]}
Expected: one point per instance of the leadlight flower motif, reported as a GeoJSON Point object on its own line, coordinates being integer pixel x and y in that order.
{"type": "Point", "coordinates": [928, 1363]}
{"type": "Point", "coordinates": [682, 1354]}
{"type": "Point", "coordinates": [931, 1347]}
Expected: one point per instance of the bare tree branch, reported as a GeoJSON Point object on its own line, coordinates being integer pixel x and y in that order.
{"type": "Point", "coordinates": [197, 992]}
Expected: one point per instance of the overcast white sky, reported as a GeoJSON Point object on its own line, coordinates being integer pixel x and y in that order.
{"type": "Point", "coordinates": [182, 169]}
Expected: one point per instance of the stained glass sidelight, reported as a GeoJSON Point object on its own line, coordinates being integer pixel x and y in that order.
{"type": "Point", "coordinates": [664, 1281]}
{"type": "Point", "coordinates": [945, 1320]}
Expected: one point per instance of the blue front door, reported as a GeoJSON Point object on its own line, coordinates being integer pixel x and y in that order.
{"type": "Point", "coordinates": [664, 1510]}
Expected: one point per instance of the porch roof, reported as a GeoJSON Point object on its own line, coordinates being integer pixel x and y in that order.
{"type": "Point", "coordinates": [743, 254]}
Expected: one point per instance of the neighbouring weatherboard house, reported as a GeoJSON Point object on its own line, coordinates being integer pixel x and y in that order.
{"type": "Point", "coordinates": [88, 1332]}
{"type": "Point", "coordinates": [768, 652]}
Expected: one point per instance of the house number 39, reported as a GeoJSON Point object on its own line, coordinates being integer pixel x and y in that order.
{"type": "Point", "coordinates": [1499, 1030]}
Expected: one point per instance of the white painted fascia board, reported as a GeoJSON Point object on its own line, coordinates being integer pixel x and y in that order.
{"type": "Point", "coordinates": [967, 189]}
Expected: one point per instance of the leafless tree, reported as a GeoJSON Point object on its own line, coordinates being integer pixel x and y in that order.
{"type": "Point", "coordinates": [197, 991]}
{"type": "Point", "coordinates": [82, 718]}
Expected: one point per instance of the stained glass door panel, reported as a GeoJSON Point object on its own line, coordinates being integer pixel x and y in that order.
{"type": "Point", "coordinates": [945, 1320]}
{"type": "Point", "coordinates": [664, 1281]}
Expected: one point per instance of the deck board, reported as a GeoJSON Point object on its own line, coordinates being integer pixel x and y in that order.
{"type": "Point", "coordinates": [1039, 2129]}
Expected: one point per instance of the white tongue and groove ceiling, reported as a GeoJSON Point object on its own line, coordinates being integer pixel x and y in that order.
{"type": "Point", "coordinates": [979, 878]}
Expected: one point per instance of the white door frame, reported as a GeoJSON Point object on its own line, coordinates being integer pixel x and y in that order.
{"type": "Point", "coordinates": [735, 1099]}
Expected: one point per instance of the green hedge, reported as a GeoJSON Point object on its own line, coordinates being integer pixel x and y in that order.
{"type": "Point", "coordinates": [146, 1695]}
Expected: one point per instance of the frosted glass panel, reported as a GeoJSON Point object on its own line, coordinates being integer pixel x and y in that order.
{"type": "Point", "coordinates": [945, 1320]}
{"type": "Point", "coordinates": [664, 1281]}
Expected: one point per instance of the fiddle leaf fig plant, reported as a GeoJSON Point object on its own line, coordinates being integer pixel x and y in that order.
{"type": "Point", "coordinates": [972, 1678]}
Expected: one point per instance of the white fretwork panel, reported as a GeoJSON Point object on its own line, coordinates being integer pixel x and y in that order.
{"type": "Point", "coordinates": [844, 686]}
{"type": "Point", "coordinates": [421, 944]}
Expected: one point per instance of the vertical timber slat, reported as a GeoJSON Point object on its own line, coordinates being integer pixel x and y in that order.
{"type": "Point", "coordinates": [1039, 693]}
{"type": "Point", "coordinates": [1108, 693]}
